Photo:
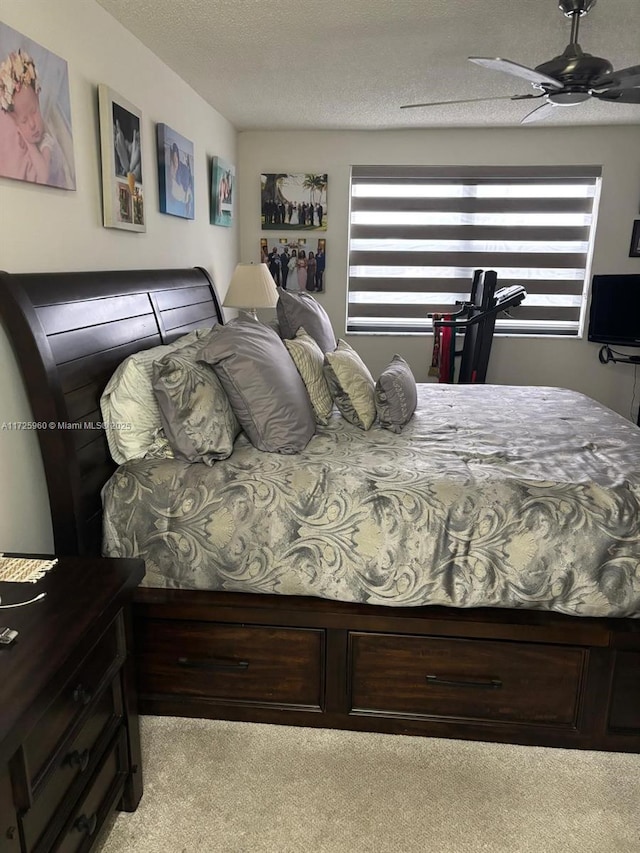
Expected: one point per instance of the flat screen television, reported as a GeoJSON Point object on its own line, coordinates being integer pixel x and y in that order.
{"type": "Point", "coordinates": [614, 317]}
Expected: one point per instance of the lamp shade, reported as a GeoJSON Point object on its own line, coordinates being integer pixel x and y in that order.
{"type": "Point", "coordinates": [251, 286]}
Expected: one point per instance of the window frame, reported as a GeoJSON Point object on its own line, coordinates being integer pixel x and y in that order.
{"type": "Point", "coordinates": [558, 314]}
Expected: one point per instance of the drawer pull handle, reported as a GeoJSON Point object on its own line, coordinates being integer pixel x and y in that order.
{"type": "Point", "coordinates": [214, 663]}
{"type": "Point", "coordinates": [78, 759]}
{"type": "Point", "coordinates": [489, 684]}
{"type": "Point", "coordinates": [86, 824]}
{"type": "Point", "coordinates": [81, 695]}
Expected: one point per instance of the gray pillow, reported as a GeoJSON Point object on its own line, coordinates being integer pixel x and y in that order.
{"type": "Point", "coordinates": [396, 395]}
{"type": "Point", "coordinates": [129, 400]}
{"type": "Point", "coordinates": [264, 388]}
{"type": "Point", "coordinates": [301, 309]}
{"type": "Point", "coordinates": [196, 415]}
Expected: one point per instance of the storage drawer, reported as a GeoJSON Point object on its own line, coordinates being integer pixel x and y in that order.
{"type": "Point", "coordinates": [66, 780]}
{"type": "Point", "coordinates": [624, 713]}
{"type": "Point", "coordinates": [70, 707]}
{"type": "Point", "coordinates": [239, 663]}
{"type": "Point", "coordinates": [466, 679]}
{"type": "Point", "coordinates": [104, 790]}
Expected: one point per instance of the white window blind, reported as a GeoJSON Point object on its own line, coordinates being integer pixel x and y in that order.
{"type": "Point", "coordinates": [418, 233]}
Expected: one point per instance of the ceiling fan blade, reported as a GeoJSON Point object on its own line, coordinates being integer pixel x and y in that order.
{"type": "Point", "coordinates": [540, 113]}
{"type": "Point", "coordinates": [472, 101]}
{"type": "Point", "coordinates": [627, 77]}
{"type": "Point", "coordinates": [510, 67]}
{"type": "Point", "coordinates": [622, 96]}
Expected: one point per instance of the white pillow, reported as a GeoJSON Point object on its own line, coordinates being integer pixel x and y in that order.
{"type": "Point", "coordinates": [129, 406]}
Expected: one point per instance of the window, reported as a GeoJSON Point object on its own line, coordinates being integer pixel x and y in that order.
{"type": "Point", "coordinates": [418, 233]}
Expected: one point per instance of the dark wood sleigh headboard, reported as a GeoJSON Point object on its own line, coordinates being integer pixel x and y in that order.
{"type": "Point", "coordinates": [69, 332]}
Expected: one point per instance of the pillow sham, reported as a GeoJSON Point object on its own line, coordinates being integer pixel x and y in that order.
{"type": "Point", "coordinates": [351, 385]}
{"type": "Point", "coordinates": [301, 309]}
{"type": "Point", "coordinates": [309, 360]}
{"type": "Point", "coordinates": [264, 388]}
{"type": "Point", "coordinates": [128, 401]}
{"type": "Point", "coordinates": [196, 415]}
{"type": "Point", "coordinates": [396, 395]}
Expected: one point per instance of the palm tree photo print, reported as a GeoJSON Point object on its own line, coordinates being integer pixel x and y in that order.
{"type": "Point", "coordinates": [297, 202]}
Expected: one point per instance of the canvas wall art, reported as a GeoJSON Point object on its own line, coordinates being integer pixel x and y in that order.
{"type": "Point", "coordinates": [223, 190]}
{"type": "Point", "coordinates": [121, 149]}
{"type": "Point", "coordinates": [296, 263]}
{"type": "Point", "coordinates": [297, 201]}
{"type": "Point", "coordinates": [175, 173]}
{"type": "Point", "coordinates": [36, 139]}
{"type": "Point", "coordinates": [634, 250]}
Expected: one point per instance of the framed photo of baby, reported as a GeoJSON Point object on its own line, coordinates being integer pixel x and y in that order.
{"type": "Point", "coordinates": [36, 139]}
{"type": "Point", "coordinates": [293, 201]}
{"type": "Point", "coordinates": [121, 150]}
{"type": "Point", "coordinates": [175, 173]}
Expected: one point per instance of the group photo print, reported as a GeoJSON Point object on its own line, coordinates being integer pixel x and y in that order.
{"type": "Point", "coordinates": [296, 264]}
{"type": "Point", "coordinates": [293, 201]}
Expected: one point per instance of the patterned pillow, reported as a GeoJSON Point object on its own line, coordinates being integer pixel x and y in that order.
{"type": "Point", "coordinates": [196, 415]}
{"type": "Point", "coordinates": [308, 358]}
{"type": "Point", "coordinates": [264, 388]}
{"type": "Point", "coordinates": [129, 400]}
{"type": "Point", "coordinates": [351, 385]}
{"type": "Point", "coordinates": [301, 309]}
{"type": "Point", "coordinates": [396, 395]}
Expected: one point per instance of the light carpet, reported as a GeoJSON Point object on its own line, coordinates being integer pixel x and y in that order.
{"type": "Point", "coordinates": [223, 787]}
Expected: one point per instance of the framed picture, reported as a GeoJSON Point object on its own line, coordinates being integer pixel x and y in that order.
{"type": "Point", "coordinates": [36, 140]}
{"type": "Point", "coordinates": [175, 173]}
{"type": "Point", "coordinates": [121, 149]}
{"type": "Point", "coordinates": [296, 263]}
{"type": "Point", "coordinates": [223, 190]}
{"type": "Point", "coordinates": [297, 202]}
{"type": "Point", "coordinates": [634, 251]}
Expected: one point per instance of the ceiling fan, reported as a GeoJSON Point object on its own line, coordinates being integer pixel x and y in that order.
{"type": "Point", "coordinates": [566, 80]}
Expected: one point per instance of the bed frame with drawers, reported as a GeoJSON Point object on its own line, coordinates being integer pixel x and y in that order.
{"type": "Point", "coordinates": [525, 676]}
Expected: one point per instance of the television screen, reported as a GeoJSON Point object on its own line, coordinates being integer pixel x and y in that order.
{"type": "Point", "coordinates": [615, 310]}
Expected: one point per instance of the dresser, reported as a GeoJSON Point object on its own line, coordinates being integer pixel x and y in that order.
{"type": "Point", "coordinates": [69, 730]}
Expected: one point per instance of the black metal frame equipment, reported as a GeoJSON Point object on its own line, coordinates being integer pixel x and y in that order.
{"type": "Point", "coordinates": [477, 319]}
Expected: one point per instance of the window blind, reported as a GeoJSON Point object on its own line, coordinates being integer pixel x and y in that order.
{"type": "Point", "coordinates": [418, 233]}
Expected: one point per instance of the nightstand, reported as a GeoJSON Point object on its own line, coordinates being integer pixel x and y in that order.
{"type": "Point", "coordinates": [69, 731]}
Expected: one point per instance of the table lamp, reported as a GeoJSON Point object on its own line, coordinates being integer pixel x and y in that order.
{"type": "Point", "coordinates": [252, 286]}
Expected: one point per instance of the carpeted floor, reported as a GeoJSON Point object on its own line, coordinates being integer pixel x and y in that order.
{"type": "Point", "coordinates": [221, 787]}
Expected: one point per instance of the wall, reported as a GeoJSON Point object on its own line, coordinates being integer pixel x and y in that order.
{"type": "Point", "coordinates": [539, 361]}
{"type": "Point", "coordinates": [48, 229]}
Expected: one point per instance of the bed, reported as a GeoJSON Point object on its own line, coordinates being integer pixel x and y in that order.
{"type": "Point", "coordinates": [553, 660]}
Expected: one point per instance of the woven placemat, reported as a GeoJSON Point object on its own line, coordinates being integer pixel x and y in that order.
{"type": "Point", "coordinates": [23, 570]}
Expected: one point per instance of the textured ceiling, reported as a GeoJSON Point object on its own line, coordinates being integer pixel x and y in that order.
{"type": "Point", "coordinates": [347, 64]}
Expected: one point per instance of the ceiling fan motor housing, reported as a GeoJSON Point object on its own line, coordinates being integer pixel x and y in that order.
{"type": "Point", "coordinates": [575, 70]}
{"type": "Point", "coordinates": [570, 7]}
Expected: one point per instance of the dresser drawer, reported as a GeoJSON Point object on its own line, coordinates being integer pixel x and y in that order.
{"type": "Point", "coordinates": [239, 663]}
{"type": "Point", "coordinates": [65, 781]}
{"type": "Point", "coordinates": [43, 746]}
{"type": "Point", "coordinates": [102, 794]}
{"type": "Point", "coordinates": [9, 835]}
{"type": "Point", "coordinates": [624, 713]}
{"type": "Point", "coordinates": [466, 679]}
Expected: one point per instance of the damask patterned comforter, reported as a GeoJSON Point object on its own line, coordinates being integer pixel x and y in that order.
{"type": "Point", "coordinates": [491, 496]}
